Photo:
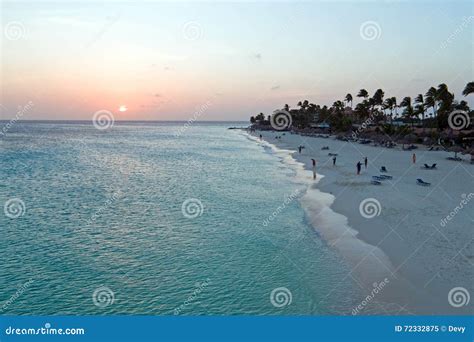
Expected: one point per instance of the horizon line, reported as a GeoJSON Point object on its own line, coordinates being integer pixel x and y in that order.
{"type": "Point", "coordinates": [90, 120]}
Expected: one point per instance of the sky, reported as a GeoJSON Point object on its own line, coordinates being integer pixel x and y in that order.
{"type": "Point", "coordinates": [223, 61]}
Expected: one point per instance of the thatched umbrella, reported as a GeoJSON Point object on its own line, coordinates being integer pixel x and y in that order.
{"type": "Point", "coordinates": [408, 139]}
{"type": "Point", "coordinates": [428, 141]}
{"type": "Point", "coordinates": [471, 152]}
{"type": "Point", "coordinates": [456, 149]}
{"type": "Point", "coordinates": [445, 135]}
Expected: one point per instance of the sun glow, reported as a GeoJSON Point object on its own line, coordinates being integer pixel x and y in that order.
{"type": "Point", "coordinates": [123, 108]}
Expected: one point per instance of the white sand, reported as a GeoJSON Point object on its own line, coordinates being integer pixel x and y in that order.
{"type": "Point", "coordinates": [407, 242]}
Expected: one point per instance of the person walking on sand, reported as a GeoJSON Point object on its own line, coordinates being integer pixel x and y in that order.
{"type": "Point", "coordinates": [333, 161]}
{"type": "Point", "coordinates": [314, 168]}
{"type": "Point", "coordinates": [413, 157]}
{"type": "Point", "coordinates": [365, 162]}
{"type": "Point", "coordinates": [359, 165]}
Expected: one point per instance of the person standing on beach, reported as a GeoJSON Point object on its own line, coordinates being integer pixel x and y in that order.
{"type": "Point", "coordinates": [299, 148]}
{"type": "Point", "coordinates": [314, 168]}
{"type": "Point", "coordinates": [333, 161]}
{"type": "Point", "coordinates": [260, 137]}
{"type": "Point", "coordinates": [359, 165]}
{"type": "Point", "coordinates": [413, 157]}
{"type": "Point", "coordinates": [365, 162]}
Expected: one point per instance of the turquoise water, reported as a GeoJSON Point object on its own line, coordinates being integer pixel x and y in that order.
{"type": "Point", "coordinates": [104, 209]}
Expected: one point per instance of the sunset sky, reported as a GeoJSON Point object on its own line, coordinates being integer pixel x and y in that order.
{"type": "Point", "coordinates": [164, 60]}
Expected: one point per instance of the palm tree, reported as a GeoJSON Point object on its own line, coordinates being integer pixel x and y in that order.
{"type": "Point", "coordinates": [420, 107]}
{"type": "Point", "coordinates": [389, 104]}
{"type": "Point", "coordinates": [419, 110]}
{"type": "Point", "coordinates": [338, 106]}
{"type": "Point", "coordinates": [462, 105]}
{"type": "Point", "coordinates": [431, 99]}
{"type": "Point", "coordinates": [377, 99]}
{"type": "Point", "coordinates": [394, 102]}
{"type": "Point", "coordinates": [445, 97]}
{"type": "Point", "coordinates": [362, 110]}
{"type": "Point", "coordinates": [408, 111]}
{"type": "Point", "coordinates": [312, 112]}
{"type": "Point", "coordinates": [469, 89]}
{"type": "Point", "coordinates": [348, 99]}
{"type": "Point", "coordinates": [260, 117]}
{"type": "Point", "coordinates": [363, 93]}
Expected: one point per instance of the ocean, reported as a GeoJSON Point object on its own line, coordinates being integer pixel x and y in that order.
{"type": "Point", "coordinates": [149, 218]}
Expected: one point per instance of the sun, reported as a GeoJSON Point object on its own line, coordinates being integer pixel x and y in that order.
{"type": "Point", "coordinates": [123, 108]}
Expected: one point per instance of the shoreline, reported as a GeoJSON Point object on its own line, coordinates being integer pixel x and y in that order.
{"type": "Point", "coordinates": [380, 247]}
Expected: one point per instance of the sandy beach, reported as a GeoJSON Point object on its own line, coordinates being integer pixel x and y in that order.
{"type": "Point", "coordinates": [418, 238]}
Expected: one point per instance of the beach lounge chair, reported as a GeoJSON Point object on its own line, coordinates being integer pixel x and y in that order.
{"type": "Point", "coordinates": [383, 169]}
{"type": "Point", "coordinates": [427, 167]}
{"type": "Point", "coordinates": [377, 178]}
{"type": "Point", "coordinates": [375, 182]}
{"type": "Point", "coordinates": [420, 181]}
{"type": "Point", "coordinates": [332, 154]}
{"type": "Point", "coordinates": [325, 148]}
{"type": "Point", "coordinates": [385, 177]}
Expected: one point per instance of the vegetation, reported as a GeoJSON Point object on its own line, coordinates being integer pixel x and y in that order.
{"type": "Point", "coordinates": [429, 111]}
